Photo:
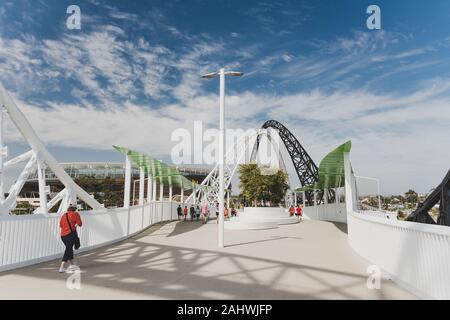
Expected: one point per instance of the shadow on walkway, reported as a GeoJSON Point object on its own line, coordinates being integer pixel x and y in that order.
{"type": "Point", "coordinates": [170, 228]}
{"type": "Point", "coordinates": [341, 226]}
{"type": "Point", "coordinates": [172, 272]}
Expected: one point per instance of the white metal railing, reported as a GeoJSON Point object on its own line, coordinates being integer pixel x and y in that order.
{"type": "Point", "coordinates": [335, 212]}
{"type": "Point", "coordinates": [416, 255]}
{"type": "Point", "coordinates": [30, 239]}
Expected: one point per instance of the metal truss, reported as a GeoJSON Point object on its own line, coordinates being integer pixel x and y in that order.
{"type": "Point", "coordinates": [38, 159]}
{"type": "Point", "coordinates": [441, 195]}
{"type": "Point", "coordinates": [208, 190]}
{"type": "Point", "coordinates": [307, 170]}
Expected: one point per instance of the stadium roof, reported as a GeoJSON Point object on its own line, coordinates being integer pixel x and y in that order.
{"type": "Point", "coordinates": [157, 169]}
{"type": "Point", "coordinates": [331, 169]}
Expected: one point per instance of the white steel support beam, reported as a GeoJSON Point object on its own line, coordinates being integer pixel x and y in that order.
{"type": "Point", "coordinates": [336, 195]}
{"type": "Point", "coordinates": [170, 189]}
{"type": "Point", "coordinates": [221, 158]}
{"type": "Point", "coordinates": [182, 190]}
{"type": "Point", "coordinates": [161, 190]}
{"type": "Point", "coordinates": [194, 192]}
{"type": "Point", "coordinates": [55, 199]}
{"type": "Point", "coordinates": [141, 185]}
{"type": "Point", "coordinates": [22, 124]}
{"type": "Point", "coordinates": [72, 196]}
{"type": "Point", "coordinates": [2, 156]}
{"type": "Point", "coordinates": [21, 158]}
{"type": "Point", "coordinates": [149, 188]}
{"type": "Point", "coordinates": [10, 202]}
{"type": "Point", "coordinates": [66, 201]}
{"type": "Point", "coordinates": [349, 204]}
{"type": "Point", "coordinates": [154, 190]}
{"type": "Point", "coordinates": [42, 192]}
{"type": "Point", "coordinates": [126, 196]}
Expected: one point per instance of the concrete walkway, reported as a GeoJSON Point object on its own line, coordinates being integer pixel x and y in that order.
{"type": "Point", "coordinates": [180, 260]}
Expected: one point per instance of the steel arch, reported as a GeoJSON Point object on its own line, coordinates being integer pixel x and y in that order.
{"type": "Point", "coordinates": [307, 170]}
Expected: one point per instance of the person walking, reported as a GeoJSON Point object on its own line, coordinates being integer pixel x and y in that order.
{"type": "Point", "coordinates": [291, 211]}
{"type": "Point", "coordinates": [225, 213]}
{"type": "Point", "coordinates": [298, 212]}
{"type": "Point", "coordinates": [205, 213]}
{"type": "Point", "coordinates": [185, 211]}
{"type": "Point", "coordinates": [197, 212]}
{"type": "Point", "coordinates": [192, 212]}
{"type": "Point", "coordinates": [68, 224]}
{"type": "Point", "coordinates": [233, 211]}
{"type": "Point", "coordinates": [179, 212]}
{"type": "Point", "coordinates": [217, 212]}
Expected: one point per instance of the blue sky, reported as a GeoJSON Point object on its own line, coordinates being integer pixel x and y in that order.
{"type": "Point", "coordinates": [130, 76]}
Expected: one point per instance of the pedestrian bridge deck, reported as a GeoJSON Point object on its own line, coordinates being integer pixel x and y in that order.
{"type": "Point", "coordinates": [180, 260]}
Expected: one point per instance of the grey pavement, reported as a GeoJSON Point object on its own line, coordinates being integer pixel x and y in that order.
{"type": "Point", "coordinates": [181, 260]}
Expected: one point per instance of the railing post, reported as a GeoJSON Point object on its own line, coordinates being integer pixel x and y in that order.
{"type": "Point", "coordinates": [349, 183]}
{"type": "Point", "coordinates": [149, 187]}
{"type": "Point", "coordinates": [315, 197]}
{"type": "Point", "coordinates": [194, 192]}
{"type": "Point", "coordinates": [141, 185]}
{"type": "Point", "coordinates": [154, 190]}
{"type": "Point", "coordinates": [42, 191]}
{"type": "Point", "coordinates": [126, 196]}
{"type": "Point", "coordinates": [170, 189]}
{"type": "Point", "coordinates": [3, 152]}
{"type": "Point", "coordinates": [182, 194]}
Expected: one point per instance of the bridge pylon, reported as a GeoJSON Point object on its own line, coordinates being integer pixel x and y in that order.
{"type": "Point", "coordinates": [38, 158]}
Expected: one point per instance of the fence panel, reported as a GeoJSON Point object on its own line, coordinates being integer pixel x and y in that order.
{"type": "Point", "coordinates": [30, 239]}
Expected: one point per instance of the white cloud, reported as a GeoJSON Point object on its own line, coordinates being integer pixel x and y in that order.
{"type": "Point", "coordinates": [402, 140]}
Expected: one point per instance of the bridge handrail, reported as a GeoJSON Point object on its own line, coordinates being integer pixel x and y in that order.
{"type": "Point", "coordinates": [415, 255]}
{"type": "Point", "coordinates": [31, 239]}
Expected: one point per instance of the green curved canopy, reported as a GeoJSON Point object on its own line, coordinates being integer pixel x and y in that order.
{"type": "Point", "coordinates": [157, 169]}
{"type": "Point", "coordinates": [331, 169]}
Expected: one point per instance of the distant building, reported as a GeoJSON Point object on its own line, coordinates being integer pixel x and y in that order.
{"type": "Point", "coordinates": [93, 176]}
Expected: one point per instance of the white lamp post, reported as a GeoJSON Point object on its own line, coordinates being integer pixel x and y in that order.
{"type": "Point", "coordinates": [222, 73]}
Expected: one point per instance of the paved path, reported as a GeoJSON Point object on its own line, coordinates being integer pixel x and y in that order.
{"type": "Point", "coordinates": [180, 260]}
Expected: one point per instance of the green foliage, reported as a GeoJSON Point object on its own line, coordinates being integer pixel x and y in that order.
{"type": "Point", "coordinates": [23, 207]}
{"type": "Point", "coordinates": [258, 188]}
{"type": "Point", "coordinates": [411, 196]}
{"type": "Point", "coordinates": [107, 191]}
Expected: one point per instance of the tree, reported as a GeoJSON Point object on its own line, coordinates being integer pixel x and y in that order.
{"type": "Point", "coordinates": [411, 196]}
{"type": "Point", "coordinates": [257, 187]}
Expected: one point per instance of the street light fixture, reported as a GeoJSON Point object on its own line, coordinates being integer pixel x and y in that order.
{"type": "Point", "coordinates": [222, 73]}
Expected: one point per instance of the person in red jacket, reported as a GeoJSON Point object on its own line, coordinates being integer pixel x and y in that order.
{"type": "Point", "coordinates": [185, 211]}
{"type": "Point", "coordinates": [68, 224]}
